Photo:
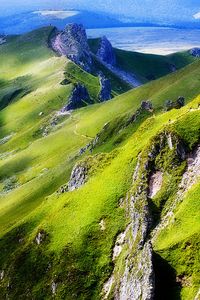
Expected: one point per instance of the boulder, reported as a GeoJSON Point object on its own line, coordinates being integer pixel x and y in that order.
{"type": "Point", "coordinates": [105, 52]}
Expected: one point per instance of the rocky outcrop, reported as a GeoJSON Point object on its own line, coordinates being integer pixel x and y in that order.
{"type": "Point", "coordinates": [105, 92]}
{"type": "Point", "coordinates": [79, 98]}
{"type": "Point", "coordinates": [135, 280]}
{"type": "Point", "coordinates": [40, 237]}
{"type": "Point", "coordinates": [138, 280]}
{"type": "Point", "coordinates": [106, 52]}
{"type": "Point", "coordinates": [155, 183]}
{"type": "Point", "coordinates": [72, 42]}
{"type": "Point", "coordinates": [195, 52]}
{"type": "Point", "coordinates": [2, 39]}
{"type": "Point", "coordinates": [106, 56]}
{"type": "Point", "coordinates": [147, 105]}
{"type": "Point", "coordinates": [180, 102]}
{"type": "Point", "coordinates": [78, 177]}
{"type": "Point", "coordinates": [189, 178]}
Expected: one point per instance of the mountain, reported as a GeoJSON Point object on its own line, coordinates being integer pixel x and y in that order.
{"type": "Point", "coordinates": [24, 22]}
{"type": "Point", "coordinates": [102, 201]}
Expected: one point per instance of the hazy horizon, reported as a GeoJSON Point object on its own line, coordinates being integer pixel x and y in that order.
{"type": "Point", "coordinates": [164, 12]}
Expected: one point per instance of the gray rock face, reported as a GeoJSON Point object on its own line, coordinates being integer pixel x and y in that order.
{"type": "Point", "coordinates": [105, 93]}
{"type": "Point", "coordinates": [195, 52]}
{"type": "Point", "coordinates": [78, 177]}
{"type": "Point", "coordinates": [106, 52]}
{"type": "Point", "coordinates": [72, 42]}
{"type": "Point", "coordinates": [147, 105]}
{"type": "Point", "coordinates": [78, 98]}
{"type": "Point", "coordinates": [180, 102]}
{"type": "Point", "coordinates": [136, 279]}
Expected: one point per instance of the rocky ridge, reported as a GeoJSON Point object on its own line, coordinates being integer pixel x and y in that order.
{"type": "Point", "coordinates": [72, 42]}
{"type": "Point", "coordinates": [105, 52]}
{"type": "Point", "coordinates": [136, 279]}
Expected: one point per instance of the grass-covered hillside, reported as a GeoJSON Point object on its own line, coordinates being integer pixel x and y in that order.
{"type": "Point", "coordinates": [58, 243]}
{"type": "Point", "coordinates": [148, 67]}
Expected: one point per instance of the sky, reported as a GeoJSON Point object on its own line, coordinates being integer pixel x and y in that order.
{"type": "Point", "coordinates": [166, 11]}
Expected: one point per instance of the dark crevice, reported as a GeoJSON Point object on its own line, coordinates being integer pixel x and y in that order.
{"type": "Point", "coordinates": [166, 286]}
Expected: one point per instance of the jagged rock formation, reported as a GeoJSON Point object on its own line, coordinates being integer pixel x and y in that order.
{"type": "Point", "coordinates": [72, 42]}
{"type": "Point", "coordinates": [40, 237]}
{"type": "Point", "coordinates": [195, 52]}
{"type": "Point", "coordinates": [106, 56]}
{"type": "Point", "coordinates": [106, 52]}
{"type": "Point", "coordinates": [105, 93]}
{"type": "Point", "coordinates": [78, 98]}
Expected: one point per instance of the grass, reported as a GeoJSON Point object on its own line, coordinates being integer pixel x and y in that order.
{"type": "Point", "coordinates": [147, 66]}
{"type": "Point", "coordinates": [76, 253]}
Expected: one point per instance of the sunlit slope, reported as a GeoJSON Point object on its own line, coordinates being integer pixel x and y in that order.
{"type": "Point", "coordinates": [71, 221]}
{"type": "Point", "coordinates": [31, 158]}
{"type": "Point", "coordinates": [37, 155]}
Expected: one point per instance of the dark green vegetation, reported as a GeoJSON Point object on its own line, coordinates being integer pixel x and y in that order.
{"type": "Point", "coordinates": [38, 154]}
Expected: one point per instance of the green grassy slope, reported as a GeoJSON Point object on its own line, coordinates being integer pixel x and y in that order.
{"type": "Point", "coordinates": [76, 253]}
{"type": "Point", "coordinates": [147, 66]}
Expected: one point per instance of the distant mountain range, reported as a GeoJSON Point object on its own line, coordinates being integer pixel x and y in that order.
{"type": "Point", "coordinates": [24, 22]}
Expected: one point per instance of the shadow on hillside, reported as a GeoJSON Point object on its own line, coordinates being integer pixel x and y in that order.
{"type": "Point", "coordinates": [166, 286]}
{"type": "Point", "coordinates": [12, 167]}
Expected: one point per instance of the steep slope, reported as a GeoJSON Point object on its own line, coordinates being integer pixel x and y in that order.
{"type": "Point", "coordinates": [67, 188]}
{"type": "Point", "coordinates": [147, 66]}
